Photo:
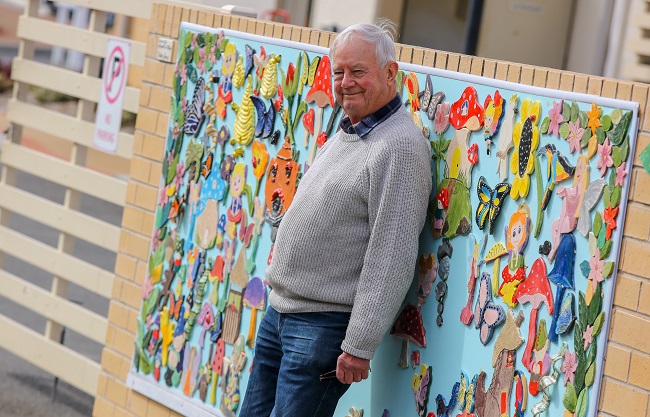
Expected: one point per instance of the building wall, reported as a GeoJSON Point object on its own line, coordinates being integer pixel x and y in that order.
{"type": "Point", "coordinates": [626, 387]}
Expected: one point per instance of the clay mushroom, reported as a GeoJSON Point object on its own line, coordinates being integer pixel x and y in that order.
{"type": "Point", "coordinates": [321, 94]}
{"type": "Point", "coordinates": [308, 123]}
{"type": "Point", "coordinates": [410, 328]}
{"type": "Point", "coordinates": [536, 290]}
{"type": "Point", "coordinates": [466, 115]}
{"type": "Point", "coordinates": [255, 298]}
{"type": "Point", "coordinates": [562, 276]}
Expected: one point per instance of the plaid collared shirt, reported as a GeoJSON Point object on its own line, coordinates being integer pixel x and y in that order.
{"type": "Point", "coordinates": [369, 122]}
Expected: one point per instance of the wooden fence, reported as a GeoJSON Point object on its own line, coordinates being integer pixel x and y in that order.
{"type": "Point", "coordinates": [66, 164]}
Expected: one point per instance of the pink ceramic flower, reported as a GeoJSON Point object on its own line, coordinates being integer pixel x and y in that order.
{"type": "Point", "coordinates": [621, 173]}
{"type": "Point", "coordinates": [555, 114]}
{"type": "Point", "coordinates": [596, 266]}
{"type": "Point", "coordinates": [605, 161]}
{"type": "Point", "coordinates": [588, 337]}
{"type": "Point", "coordinates": [569, 366]}
{"type": "Point", "coordinates": [575, 136]}
{"type": "Point", "coordinates": [163, 198]}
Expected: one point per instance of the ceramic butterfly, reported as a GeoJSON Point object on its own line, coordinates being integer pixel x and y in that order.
{"type": "Point", "coordinates": [250, 63]}
{"type": "Point", "coordinates": [490, 202]}
{"type": "Point", "coordinates": [420, 384]}
{"type": "Point", "coordinates": [466, 393]}
{"type": "Point", "coordinates": [175, 306]}
{"type": "Point", "coordinates": [487, 315]}
{"type": "Point", "coordinates": [206, 167]}
{"type": "Point", "coordinates": [445, 410]}
{"type": "Point", "coordinates": [265, 118]}
{"type": "Point", "coordinates": [429, 102]}
{"type": "Point", "coordinates": [194, 116]}
{"type": "Point", "coordinates": [245, 230]}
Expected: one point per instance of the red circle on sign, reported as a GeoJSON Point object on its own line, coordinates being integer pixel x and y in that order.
{"type": "Point", "coordinates": [109, 79]}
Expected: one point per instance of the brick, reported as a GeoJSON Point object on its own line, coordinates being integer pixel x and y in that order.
{"type": "Point", "coordinates": [123, 343]}
{"type": "Point", "coordinates": [112, 362]}
{"type": "Point", "coordinates": [138, 138]}
{"type": "Point", "coordinates": [102, 407]}
{"type": "Point", "coordinates": [116, 294]}
{"type": "Point", "coordinates": [405, 53]}
{"type": "Point", "coordinates": [489, 68]}
{"type": "Point", "coordinates": [132, 321]}
{"type": "Point", "coordinates": [514, 72]}
{"type": "Point", "coordinates": [644, 298]}
{"type": "Point", "coordinates": [139, 170]}
{"type": "Point", "coordinates": [162, 127]}
{"type": "Point", "coordinates": [566, 81]}
{"type": "Point", "coordinates": [145, 95]}
{"type": "Point", "coordinates": [157, 410]}
{"type": "Point", "coordinates": [147, 224]}
{"type": "Point", "coordinates": [623, 401]}
{"type": "Point", "coordinates": [527, 75]}
{"type": "Point", "coordinates": [640, 370]}
{"type": "Point", "coordinates": [146, 197]}
{"type": "Point", "coordinates": [147, 120]}
{"type": "Point", "coordinates": [429, 58]}
{"type": "Point", "coordinates": [637, 221]}
{"type": "Point", "coordinates": [132, 218]}
{"type": "Point", "coordinates": [131, 296]}
{"type": "Point", "coordinates": [137, 403]}
{"type": "Point", "coordinates": [159, 98]}
{"type": "Point", "coordinates": [295, 33]}
{"type": "Point", "coordinates": [121, 412]}
{"type": "Point", "coordinates": [161, 10]}
{"type": "Point", "coordinates": [580, 83]}
{"type": "Point", "coordinates": [624, 90]}
{"type": "Point", "coordinates": [594, 86]}
{"type": "Point", "coordinates": [453, 62]}
{"type": "Point", "coordinates": [640, 95]}
{"type": "Point", "coordinates": [641, 186]}
{"type": "Point", "coordinates": [134, 244]}
{"type": "Point", "coordinates": [101, 385]}
{"type": "Point", "coordinates": [268, 31]}
{"type": "Point", "coordinates": [617, 363]}
{"type": "Point", "coordinates": [140, 272]}
{"type": "Point", "coordinates": [539, 77]}
{"type": "Point", "coordinates": [418, 56]}
{"type": "Point", "coordinates": [631, 330]}
{"type": "Point", "coordinates": [441, 60]}
{"type": "Point", "coordinates": [152, 46]}
{"type": "Point", "coordinates": [305, 33]}
{"type": "Point", "coordinates": [125, 266]}
{"type": "Point", "coordinates": [465, 64]}
{"type": "Point", "coordinates": [642, 142]}
{"type": "Point", "coordinates": [154, 71]}
{"type": "Point", "coordinates": [626, 293]}
{"type": "Point", "coordinates": [609, 89]}
{"type": "Point", "coordinates": [477, 66]}
{"type": "Point", "coordinates": [501, 71]}
{"type": "Point", "coordinates": [131, 190]}
{"type": "Point", "coordinates": [217, 22]}
{"type": "Point", "coordinates": [553, 79]}
{"type": "Point", "coordinates": [117, 314]}
{"type": "Point", "coordinates": [634, 257]}
{"type": "Point", "coordinates": [155, 174]}
{"type": "Point", "coordinates": [225, 21]}
{"type": "Point", "coordinates": [116, 392]}
{"type": "Point", "coordinates": [153, 148]}
{"type": "Point", "coordinates": [202, 18]}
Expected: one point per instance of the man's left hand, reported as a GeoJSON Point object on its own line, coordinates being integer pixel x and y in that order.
{"type": "Point", "coordinates": [351, 369]}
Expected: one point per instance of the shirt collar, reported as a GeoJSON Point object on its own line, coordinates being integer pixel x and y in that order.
{"type": "Point", "coordinates": [369, 122]}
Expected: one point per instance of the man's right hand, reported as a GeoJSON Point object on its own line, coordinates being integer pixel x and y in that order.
{"type": "Point", "coordinates": [351, 369]}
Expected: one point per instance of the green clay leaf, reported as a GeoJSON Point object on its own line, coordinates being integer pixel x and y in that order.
{"type": "Point", "coordinates": [616, 196]}
{"type": "Point", "coordinates": [582, 404]}
{"type": "Point", "coordinates": [579, 376]}
{"type": "Point", "coordinates": [608, 269]}
{"type": "Point", "coordinates": [566, 111]}
{"type": "Point", "coordinates": [585, 138]}
{"type": "Point", "coordinates": [616, 116]}
{"type": "Point", "coordinates": [570, 399]}
{"type": "Point", "coordinates": [607, 196]}
{"type": "Point", "coordinates": [590, 375]}
{"type": "Point", "coordinates": [583, 120]}
{"type": "Point", "coordinates": [612, 180]}
{"type": "Point", "coordinates": [598, 324]}
{"type": "Point", "coordinates": [593, 349]}
{"type": "Point", "coordinates": [575, 111]}
{"type": "Point", "coordinates": [585, 268]}
{"type": "Point", "coordinates": [606, 249]}
{"type": "Point", "coordinates": [616, 157]}
{"type": "Point", "coordinates": [223, 45]}
{"type": "Point", "coordinates": [564, 130]}
{"type": "Point", "coordinates": [188, 39]}
{"type": "Point", "coordinates": [602, 238]}
{"type": "Point", "coordinates": [598, 222]}
{"type": "Point", "coordinates": [600, 135]}
{"type": "Point", "coordinates": [545, 123]}
{"type": "Point", "coordinates": [606, 122]}
{"type": "Point", "coordinates": [594, 305]}
{"type": "Point", "coordinates": [625, 148]}
{"type": "Point", "coordinates": [582, 310]}
{"type": "Point", "coordinates": [617, 134]}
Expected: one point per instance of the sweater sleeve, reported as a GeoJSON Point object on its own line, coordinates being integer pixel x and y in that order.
{"type": "Point", "coordinates": [399, 184]}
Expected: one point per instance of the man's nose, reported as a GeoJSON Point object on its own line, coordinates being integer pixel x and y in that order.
{"type": "Point", "coordinates": [347, 81]}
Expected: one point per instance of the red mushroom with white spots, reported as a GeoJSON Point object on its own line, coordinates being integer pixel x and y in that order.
{"type": "Point", "coordinates": [308, 123]}
{"type": "Point", "coordinates": [410, 328]}
{"type": "Point", "coordinates": [321, 94]}
{"type": "Point", "coordinates": [536, 290]}
{"type": "Point", "coordinates": [466, 115]}
{"type": "Point", "coordinates": [443, 198]}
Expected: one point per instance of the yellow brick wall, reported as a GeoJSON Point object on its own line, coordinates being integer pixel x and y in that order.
{"type": "Point", "coordinates": [626, 385]}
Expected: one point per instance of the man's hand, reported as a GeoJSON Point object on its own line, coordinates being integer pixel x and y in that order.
{"type": "Point", "coordinates": [351, 369]}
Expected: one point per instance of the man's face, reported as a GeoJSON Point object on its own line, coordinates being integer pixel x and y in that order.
{"type": "Point", "coordinates": [360, 85]}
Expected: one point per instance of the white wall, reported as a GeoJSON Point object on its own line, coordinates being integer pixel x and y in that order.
{"type": "Point", "coordinates": [342, 13]}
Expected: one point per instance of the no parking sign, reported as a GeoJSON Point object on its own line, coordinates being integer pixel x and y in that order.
{"type": "Point", "coordinates": [109, 108]}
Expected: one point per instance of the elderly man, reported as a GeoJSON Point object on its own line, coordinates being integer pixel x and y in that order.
{"type": "Point", "coordinates": [346, 250]}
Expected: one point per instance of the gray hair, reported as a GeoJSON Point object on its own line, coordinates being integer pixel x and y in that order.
{"type": "Point", "coordinates": [382, 34]}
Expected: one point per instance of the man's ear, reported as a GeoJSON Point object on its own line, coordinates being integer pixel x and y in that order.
{"type": "Point", "coordinates": [392, 71]}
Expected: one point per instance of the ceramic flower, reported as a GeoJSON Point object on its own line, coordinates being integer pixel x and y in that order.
{"type": "Point", "coordinates": [575, 136]}
{"type": "Point", "coordinates": [621, 173]}
{"type": "Point", "coordinates": [555, 114]}
{"type": "Point", "coordinates": [260, 159]}
{"type": "Point", "coordinates": [594, 118]}
{"type": "Point", "coordinates": [596, 266]}
{"type": "Point", "coordinates": [525, 137]}
{"type": "Point", "coordinates": [163, 198]}
{"type": "Point", "coordinates": [605, 157]}
{"type": "Point", "coordinates": [441, 122]}
{"type": "Point", "coordinates": [569, 366]}
{"type": "Point", "coordinates": [226, 167]}
{"type": "Point", "coordinates": [180, 172]}
{"type": "Point", "coordinates": [609, 217]}
{"type": "Point", "coordinates": [588, 337]}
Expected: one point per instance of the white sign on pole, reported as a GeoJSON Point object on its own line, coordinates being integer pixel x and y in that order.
{"type": "Point", "coordinates": [109, 109]}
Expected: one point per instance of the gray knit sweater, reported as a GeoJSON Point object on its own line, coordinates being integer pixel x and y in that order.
{"type": "Point", "coordinates": [349, 240]}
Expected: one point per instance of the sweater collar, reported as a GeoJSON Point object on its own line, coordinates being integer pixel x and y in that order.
{"type": "Point", "coordinates": [368, 123]}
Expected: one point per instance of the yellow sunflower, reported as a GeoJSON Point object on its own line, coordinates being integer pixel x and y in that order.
{"type": "Point", "coordinates": [525, 137]}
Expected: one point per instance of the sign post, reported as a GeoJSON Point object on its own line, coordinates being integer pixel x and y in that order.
{"type": "Point", "coordinates": [109, 108]}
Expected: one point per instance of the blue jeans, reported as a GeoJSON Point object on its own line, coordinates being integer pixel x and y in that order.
{"type": "Point", "coordinates": [292, 351]}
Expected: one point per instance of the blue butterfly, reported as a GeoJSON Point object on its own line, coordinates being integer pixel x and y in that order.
{"type": "Point", "coordinates": [194, 116]}
{"type": "Point", "coordinates": [249, 60]}
{"type": "Point", "coordinates": [265, 118]}
{"type": "Point", "coordinates": [489, 203]}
